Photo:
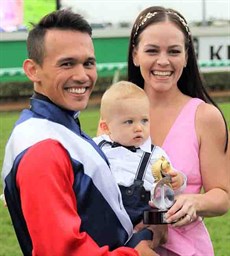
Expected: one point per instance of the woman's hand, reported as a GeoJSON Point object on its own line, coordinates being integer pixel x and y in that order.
{"type": "Point", "coordinates": [183, 211]}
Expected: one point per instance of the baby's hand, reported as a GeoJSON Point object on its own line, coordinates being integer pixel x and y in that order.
{"type": "Point", "coordinates": [177, 179]}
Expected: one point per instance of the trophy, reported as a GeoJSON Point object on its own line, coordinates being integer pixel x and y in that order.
{"type": "Point", "coordinates": [162, 195]}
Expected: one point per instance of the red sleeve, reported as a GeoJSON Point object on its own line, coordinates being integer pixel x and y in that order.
{"type": "Point", "coordinates": [45, 179]}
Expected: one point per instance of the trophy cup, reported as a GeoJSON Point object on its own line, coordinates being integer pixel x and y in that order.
{"type": "Point", "coordinates": [162, 195]}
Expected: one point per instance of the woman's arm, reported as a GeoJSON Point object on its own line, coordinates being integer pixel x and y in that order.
{"type": "Point", "coordinates": [214, 163]}
{"type": "Point", "coordinates": [214, 168]}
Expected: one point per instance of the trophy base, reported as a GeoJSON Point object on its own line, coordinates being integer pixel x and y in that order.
{"type": "Point", "coordinates": [154, 216]}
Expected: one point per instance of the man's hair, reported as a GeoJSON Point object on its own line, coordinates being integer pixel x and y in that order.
{"type": "Point", "coordinates": [118, 92]}
{"type": "Point", "coordinates": [61, 20]}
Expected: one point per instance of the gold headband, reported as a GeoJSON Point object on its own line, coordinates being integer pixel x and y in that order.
{"type": "Point", "coordinates": [149, 15]}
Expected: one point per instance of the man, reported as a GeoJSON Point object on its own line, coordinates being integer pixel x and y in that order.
{"type": "Point", "coordinates": [58, 186]}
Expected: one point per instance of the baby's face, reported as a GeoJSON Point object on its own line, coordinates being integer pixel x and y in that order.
{"type": "Point", "coordinates": [129, 123]}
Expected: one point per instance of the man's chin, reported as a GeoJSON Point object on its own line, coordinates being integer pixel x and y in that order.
{"type": "Point", "coordinates": [80, 106]}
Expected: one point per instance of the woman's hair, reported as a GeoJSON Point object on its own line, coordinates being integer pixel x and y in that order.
{"type": "Point", "coordinates": [191, 82]}
{"type": "Point", "coordinates": [62, 20]}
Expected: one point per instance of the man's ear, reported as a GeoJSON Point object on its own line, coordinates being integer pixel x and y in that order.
{"type": "Point", "coordinates": [31, 70]}
{"type": "Point", "coordinates": [104, 127]}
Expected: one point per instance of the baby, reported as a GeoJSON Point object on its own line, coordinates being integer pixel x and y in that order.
{"type": "Point", "coordinates": [125, 140]}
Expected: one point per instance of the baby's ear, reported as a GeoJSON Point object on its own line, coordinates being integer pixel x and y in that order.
{"type": "Point", "coordinates": [104, 129]}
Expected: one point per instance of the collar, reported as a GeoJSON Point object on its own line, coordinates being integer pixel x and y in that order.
{"type": "Point", "coordinates": [39, 96]}
{"type": "Point", "coordinates": [146, 146]}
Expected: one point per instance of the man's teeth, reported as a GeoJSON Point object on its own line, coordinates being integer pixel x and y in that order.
{"type": "Point", "coordinates": [77, 90]}
{"type": "Point", "coordinates": [162, 73]}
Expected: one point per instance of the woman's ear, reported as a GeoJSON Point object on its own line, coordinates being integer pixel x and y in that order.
{"type": "Point", "coordinates": [186, 59]}
{"type": "Point", "coordinates": [31, 70]}
{"type": "Point", "coordinates": [135, 58]}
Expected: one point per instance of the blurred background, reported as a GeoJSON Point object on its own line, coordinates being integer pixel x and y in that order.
{"type": "Point", "coordinates": [17, 14]}
{"type": "Point", "coordinates": [111, 21]}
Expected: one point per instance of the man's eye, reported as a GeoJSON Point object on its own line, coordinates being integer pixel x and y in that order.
{"type": "Point", "coordinates": [90, 64]}
{"type": "Point", "coordinates": [67, 64]}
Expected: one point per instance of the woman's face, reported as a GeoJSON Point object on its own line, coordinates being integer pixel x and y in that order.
{"type": "Point", "coordinates": [161, 55]}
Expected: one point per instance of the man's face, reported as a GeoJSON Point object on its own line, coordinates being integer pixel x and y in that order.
{"type": "Point", "coordinates": [68, 73]}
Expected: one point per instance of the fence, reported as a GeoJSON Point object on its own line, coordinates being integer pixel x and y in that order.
{"type": "Point", "coordinates": [114, 70]}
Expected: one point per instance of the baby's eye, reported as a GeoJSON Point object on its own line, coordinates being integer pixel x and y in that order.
{"type": "Point", "coordinates": [145, 121]}
{"type": "Point", "coordinates": [128, 122]}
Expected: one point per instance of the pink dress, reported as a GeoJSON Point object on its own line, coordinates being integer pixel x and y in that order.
{"type": "Point", "coordinates": [182, 147]}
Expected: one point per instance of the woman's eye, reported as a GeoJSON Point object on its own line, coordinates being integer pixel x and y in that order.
{"type": "Point", "coordinates": [152, 51]}
{"type": "Point", "coordinates": [174, 52]}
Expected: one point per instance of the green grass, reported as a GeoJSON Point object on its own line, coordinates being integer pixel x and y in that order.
{"type": "Point", "coordinates": [219, 227]}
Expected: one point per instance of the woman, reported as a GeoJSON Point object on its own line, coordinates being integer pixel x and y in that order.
{"type": "Point", "coordinates": [185, 122]}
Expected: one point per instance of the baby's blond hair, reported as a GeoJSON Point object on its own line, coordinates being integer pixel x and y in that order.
{"type": "Point", "coordinates": [118, 92]}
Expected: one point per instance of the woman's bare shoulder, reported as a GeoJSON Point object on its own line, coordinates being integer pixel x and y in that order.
{"type": "Point", "coordinates": [209, 115]}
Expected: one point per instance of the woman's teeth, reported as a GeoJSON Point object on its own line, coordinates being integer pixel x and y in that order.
{"type": "Point", "coordinates": [162, 73]}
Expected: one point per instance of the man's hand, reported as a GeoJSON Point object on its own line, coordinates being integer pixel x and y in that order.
{"type": "Point", "coordinates": [144, 249]}
{"type": "Point", "coordinates": [160, 233]}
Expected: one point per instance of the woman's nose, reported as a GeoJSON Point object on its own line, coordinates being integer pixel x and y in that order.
{"type": "Point", "coordinates": [162, 60]}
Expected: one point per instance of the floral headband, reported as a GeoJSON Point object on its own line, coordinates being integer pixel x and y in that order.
{"type": "Point", "coordinates": [149, 15]}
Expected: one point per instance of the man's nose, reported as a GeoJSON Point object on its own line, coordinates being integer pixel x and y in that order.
{"type": "Point", "coordinates": [80, 74]}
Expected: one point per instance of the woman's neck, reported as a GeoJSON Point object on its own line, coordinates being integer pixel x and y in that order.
{"type": "Point", "coordinates": [173, 97]}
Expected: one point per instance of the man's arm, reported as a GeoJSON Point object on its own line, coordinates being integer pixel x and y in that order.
{"type": "Point", "coordinates": [45, 179]}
